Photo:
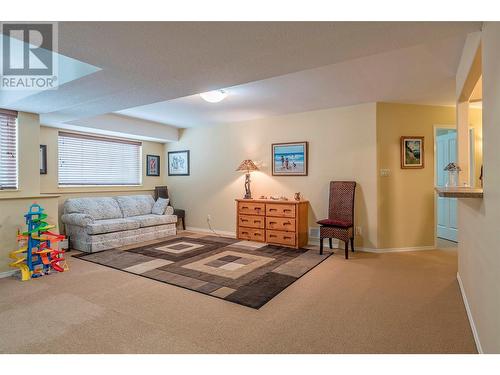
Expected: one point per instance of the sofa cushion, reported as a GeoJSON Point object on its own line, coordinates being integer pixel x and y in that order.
{"type": "Point", "coordinates": [152, 219]}
{"type": "Point", "coordinates": [99, 208]}
{"type": "Point", "coordinates": [160, 206]}
{"type": "Point", "coordinates": [111, 225]}
{"type": "Point", "coordinates": [135, 205]}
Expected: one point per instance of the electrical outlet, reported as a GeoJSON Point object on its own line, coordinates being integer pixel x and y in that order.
{"type": "Point", "coordinates": [209, 217]}
{"type": "Point", "coordinates": [359, 231]}
{"type": "Point", "coordinates": [384, 172]}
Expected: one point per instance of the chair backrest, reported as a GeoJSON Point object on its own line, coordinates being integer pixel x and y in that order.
{"type": "Point", "coordinates": [161, 192]}
{"type": "Point", "coordinates": [341, 205]}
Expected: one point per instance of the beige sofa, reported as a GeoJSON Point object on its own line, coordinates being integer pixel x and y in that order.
{"type": "Point", "coordinates": [99, 223]}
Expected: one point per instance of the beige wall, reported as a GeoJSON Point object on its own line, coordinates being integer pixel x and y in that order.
{"type": "Point", "coordinates": [341, 147]}
{"type": "Point", "coordinates": [406, 198]}
{"type": "Point", "coordinates": [49, 182]}
{"type": "Point", "coordinates": [478, 219]}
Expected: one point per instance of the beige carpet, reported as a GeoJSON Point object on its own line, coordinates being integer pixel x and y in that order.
{"type": "Point", "coordinates": [371, 303]}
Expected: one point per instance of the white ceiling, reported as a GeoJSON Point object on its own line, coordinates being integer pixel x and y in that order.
{"type": "Point", "coordinates": [271, 68]}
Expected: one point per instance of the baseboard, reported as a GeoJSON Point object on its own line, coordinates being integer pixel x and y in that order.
{"type": "Point", "coordinates": [396, 249]}
{"type": "Point", "coordinates": [216, 231]}
{"type": "Point", "coordinates": [315, 242]}
{"type": "Point", "coordinates": [469, 316]}
{"type": "Point", "coordinates": [7, 273]}
{"type": "Point", "coordinates": [336, 244]}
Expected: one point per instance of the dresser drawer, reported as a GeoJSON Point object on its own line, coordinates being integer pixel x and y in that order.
{"type": "Point", "coordinates": [280, 223]}
{"type": "Point", "coordinates": [251, 221]}
{"type": "Point", "coordinates": [252, 208]}
{"type": "Point", "coordinates": [280, 210]}
{"type": "Point", "coordinates": [251, 234]}
{"type": "Point", "coordinates": [281, 238]}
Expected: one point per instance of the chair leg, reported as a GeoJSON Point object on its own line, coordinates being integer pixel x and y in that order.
{"type": "Point", "coordinates": [321, 246]}
{"type": "Point", "coordinates": [352, 244]}
{"type": "Point", "coordinates": [331, 243]}
{"type": "Point", "coordinates": [183, 223]}
{"type": "Point", "coordinates": [347, 249]}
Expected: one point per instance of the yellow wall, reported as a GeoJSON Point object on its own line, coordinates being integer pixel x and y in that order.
{"type": "Point", "coordinates": [342, 146]}
{"type": "Point", "coordinates": [49, 182]}
{"type": "Point", "coordinates": [14, 204]}
{"type": "Point", "coordinates": [43, 189]}
{"type": "Point", "coordinates": [478, 219]}
{"type": "Point", "coordinates": [406, 198]}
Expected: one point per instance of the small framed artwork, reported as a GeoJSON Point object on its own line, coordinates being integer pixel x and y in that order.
{"type": "Point", "coordinates": [412, 152]}
{"type": "Point", "coordinates": [289, 159]}
{"type": "Point", "coordinates": [178, 163]}
{"type": "Point", "coordinates": [43, 159]}
{"type": "Point", "coordinates": [152, 165]}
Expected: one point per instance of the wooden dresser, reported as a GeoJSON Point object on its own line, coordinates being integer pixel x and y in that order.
{"type": "Point", "coordinates": [272, 221]}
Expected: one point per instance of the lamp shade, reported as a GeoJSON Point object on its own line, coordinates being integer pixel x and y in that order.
{"type": "Point", "coordinates": [247, 166]}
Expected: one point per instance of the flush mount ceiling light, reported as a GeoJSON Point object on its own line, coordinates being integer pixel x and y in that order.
{"type": "Point", "coordinates": [214, 96]}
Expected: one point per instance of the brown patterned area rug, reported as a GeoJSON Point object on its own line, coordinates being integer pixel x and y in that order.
{"type": "Point", "coordinates": [247, 273]}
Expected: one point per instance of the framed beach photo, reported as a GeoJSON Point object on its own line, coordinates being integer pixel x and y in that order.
{"type": "Point", "coordinates": [289, 159]}
{"type": "Point", "coordinates": [152, 165]}
{"type": "Point", "coordinates": [178, 163]}
{"type": "Point", "coordinates": [412, 152]}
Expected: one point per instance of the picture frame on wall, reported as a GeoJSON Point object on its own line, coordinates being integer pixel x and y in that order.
{"type": "Point", "coordinates": [178, 163]}
{"type": "Point", "coordinates": [412, 152]}
{"type": "Point", "coordinates": [290, 159]}
{"type": "Point", "coordinates": [43, 159]}
{"type": "Point", "coordinates": [152, 165]}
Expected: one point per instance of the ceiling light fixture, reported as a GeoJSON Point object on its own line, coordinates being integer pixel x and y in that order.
{"type": "Point", "coordinates": [214, 96]}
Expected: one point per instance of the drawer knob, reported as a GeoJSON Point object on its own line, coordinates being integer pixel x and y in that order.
{"type": "Point", "coordinates": [244, 232]}
{"type": "Point", "coordinates": [287, 223]}
{"type": "Point", "coordinates": [244, 220]}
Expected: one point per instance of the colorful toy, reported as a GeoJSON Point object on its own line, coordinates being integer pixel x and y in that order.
{"type": "Point", "coordinates": [36, 256]}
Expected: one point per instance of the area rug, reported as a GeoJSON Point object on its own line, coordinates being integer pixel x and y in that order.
{"type": "Point", "coordinates": [243, 272]}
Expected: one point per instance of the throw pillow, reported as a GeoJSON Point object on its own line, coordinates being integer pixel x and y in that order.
{"type": "Point", "coordinates": [160, 206]}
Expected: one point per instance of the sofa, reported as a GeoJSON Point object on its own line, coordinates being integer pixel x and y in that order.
{"type": "Point", "coordinates": [100, 223]}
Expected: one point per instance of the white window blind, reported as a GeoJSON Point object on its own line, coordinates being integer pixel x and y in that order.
{"type": "Point", "coordinates": [8, 149]}
{"type": "Point", "coordinates": [92, 160]}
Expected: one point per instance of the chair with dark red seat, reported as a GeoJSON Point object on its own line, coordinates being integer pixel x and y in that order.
{"type": "Point", "coordinates": [340, 222]}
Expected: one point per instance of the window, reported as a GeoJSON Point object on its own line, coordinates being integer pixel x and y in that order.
{"type": "Point", "coordinates": [91, 160]}
{"type": "Point", "coordinates": [8, 149]}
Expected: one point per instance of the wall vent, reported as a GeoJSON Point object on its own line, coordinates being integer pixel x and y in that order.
{"type": "Point", "coordinates": [313, 232]}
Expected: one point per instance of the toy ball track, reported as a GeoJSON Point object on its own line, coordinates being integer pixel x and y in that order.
{"type": "Point", "coordinates": [37, 255]}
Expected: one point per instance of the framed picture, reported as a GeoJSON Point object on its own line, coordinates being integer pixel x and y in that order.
{"type": "Point", "coordinates": [178, 163]}
{"type": "Point", "coordinates": [289, 159]}
{"type": "Point", "coordinates": [43, 159]}
{"type": "Point", "coordinates": [152, 165]}
{"type": "Point", "coordinates": [412, 152]}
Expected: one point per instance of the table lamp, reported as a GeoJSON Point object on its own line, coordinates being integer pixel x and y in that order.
{"type": "Point", "coordinates": [247, 166]}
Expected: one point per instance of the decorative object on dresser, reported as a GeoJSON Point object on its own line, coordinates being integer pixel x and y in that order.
{"type": "Point", "coordinates": [412, 152]}
{"type": "Point", "coordinates": [152, 165]}
{"type": "Point", "coordinates": [247, 166]}
{"type": "Point", "coordinates": [162, 192]}
{"type": "Point", "coordinates": [289, 159]}
{"type": "Point", "coordinates": [281, 223]}
{"type": "Point", "coordinates": [178, 163]}
{"type": "Point", "coordinates": [340, 222]}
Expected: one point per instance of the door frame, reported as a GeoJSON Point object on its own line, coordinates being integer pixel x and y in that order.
{"type": "Point", "coordinates": [435, 129]}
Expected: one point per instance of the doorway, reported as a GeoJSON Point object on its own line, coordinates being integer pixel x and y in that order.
{"type": "Point", "coordinates": [446, 152]}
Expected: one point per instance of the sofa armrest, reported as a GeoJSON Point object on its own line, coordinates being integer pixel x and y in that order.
{"type": "Point", "coordinates": [80, 220]}
{"type": "Point", "coordinates": [169, 210]}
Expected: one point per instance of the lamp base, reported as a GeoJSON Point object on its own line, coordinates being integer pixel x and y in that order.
{"type": "Point", "coordinates": [248, 193]}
